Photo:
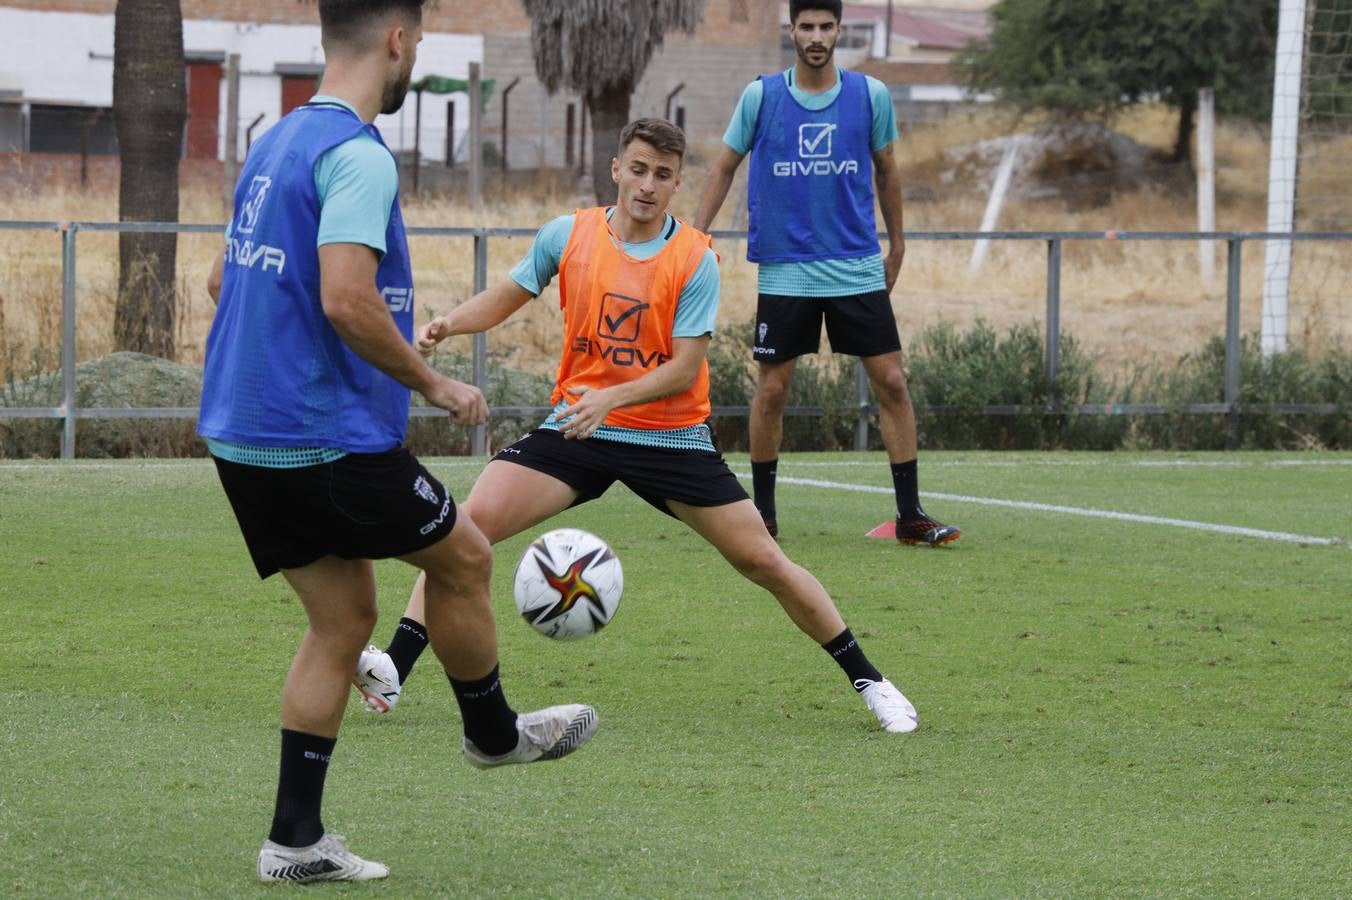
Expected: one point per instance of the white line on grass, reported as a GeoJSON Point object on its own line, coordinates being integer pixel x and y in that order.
{"type": "Point", "coordinates": [1073, 511]}
{"type": "Point", "coordinates": [932, 463]}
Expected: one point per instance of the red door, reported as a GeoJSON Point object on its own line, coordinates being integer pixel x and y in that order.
{"type": "Point", "coordinates": [204, 109]}
{"type": "Point", "coordinates": [296, 91]}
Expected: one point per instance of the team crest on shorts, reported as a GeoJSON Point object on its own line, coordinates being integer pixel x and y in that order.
{"type": "Point", "coordinates": [761, 331]}
{"type": "Point", "coordinates": [424, 490]}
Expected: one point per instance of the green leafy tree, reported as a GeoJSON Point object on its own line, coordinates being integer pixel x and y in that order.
{"type": "Point", "coordinates": [600, 48]}
{"type": "Point", "coordinates": [1090, 58]}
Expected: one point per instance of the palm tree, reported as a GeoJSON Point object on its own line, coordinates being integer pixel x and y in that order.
{"type": "Point", "coordinates": [600, 49]}
{"type": "Point", "coordinates": [149, 109]}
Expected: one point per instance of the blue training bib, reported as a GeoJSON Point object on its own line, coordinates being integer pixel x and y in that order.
{"type": "Point", "coordinates": [810, 192]}
{"type": "Point", "coordinates": [277, 374]}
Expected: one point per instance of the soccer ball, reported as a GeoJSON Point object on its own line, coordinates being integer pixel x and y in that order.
{"type": "Point", "coordinates": [568, 584]}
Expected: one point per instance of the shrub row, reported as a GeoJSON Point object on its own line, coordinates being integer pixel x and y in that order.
{"type": "Point", "coordinates": [953, 376]}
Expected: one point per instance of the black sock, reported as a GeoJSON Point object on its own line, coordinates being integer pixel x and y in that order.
{"type": "Point", "coordinates": [300, 789]}
{"type": "Point", "coordinates": [763, 487]}
{"type": "Point", "coordinates": [907, 487]}
{"type": "Point", "coordinates": [408, 643]}
{"type": "Point", "coordinates": [489, 722]}
{"type": "Point", "coordinates": [845, 650]}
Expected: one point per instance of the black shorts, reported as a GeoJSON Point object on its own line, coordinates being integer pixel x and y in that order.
{"type": "Point", "coordinates": [362, 506]}
{"type": "Point", "coordinates": [657, 474]}
{"type": "Point", "coordinates": [858, 325]}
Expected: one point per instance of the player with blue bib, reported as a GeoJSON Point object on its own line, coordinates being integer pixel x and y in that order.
{"type": "Point", "coordinates": [305, 403]}
{"type": "Point", "coordinates": [820, 139]}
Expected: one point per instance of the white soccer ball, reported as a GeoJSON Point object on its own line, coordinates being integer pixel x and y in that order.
{"type": "Point", "coordinates": [568, 584]}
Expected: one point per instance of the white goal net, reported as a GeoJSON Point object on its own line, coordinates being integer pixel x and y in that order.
{"type": "Point", "coordinates": [1307, 291]}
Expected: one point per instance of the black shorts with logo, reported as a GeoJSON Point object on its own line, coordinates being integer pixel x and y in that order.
{"type": "Point", "coordinates": [362, 506]}
{"type": "Point", "coordinates": [857, 324]}
{"type": "Point", "coordinates": [657, 474]}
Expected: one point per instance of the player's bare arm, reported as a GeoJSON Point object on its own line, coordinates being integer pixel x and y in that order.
{"type": "Point", "coordinates": [716, 187]}
{"type": "Point", "coordinates": [591, 406]}
{"type": "Point", "coordinates": [215, 278]}
{"type": "Point", "coordinates": [479, 313]}
{"type": "Point", "coordinates": [359, 314]}
{"type": "Point", "coordinates": [887, 183]}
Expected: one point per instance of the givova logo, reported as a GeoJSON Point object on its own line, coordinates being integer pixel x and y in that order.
{"type": "Point", "coordinates": [815, 151]}
{"type": "Point", "coordinates": [398, 299]}
{"type": "Point", "coordinates": [245, 252]}
{"type": "Point", "coordinates": [621, 318]}
{"type": "Point", "coordinates": [814, 139]}
{"type": "Point", "coordinates": [247, 220]}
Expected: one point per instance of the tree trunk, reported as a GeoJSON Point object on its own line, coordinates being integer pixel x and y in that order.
{"type": "Point", "coordinates": [609, 107]}
{"type": "Point", "coordinates": [150, 109]}
{"type": "Point", "coordinates": [1183, 140]}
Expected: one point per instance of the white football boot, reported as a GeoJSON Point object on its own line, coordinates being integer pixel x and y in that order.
{"type": "Point", "coordinates": [326, 860]}
{"type": "Point", "coordinates": [377, 679]}
{"type": "Point", "coordinates": [895, 713]}
{"type": "Point", "coordinates": [550, 733]}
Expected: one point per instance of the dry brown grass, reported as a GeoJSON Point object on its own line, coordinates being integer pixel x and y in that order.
{"type": "Point", "coordinates": [1126, 301]}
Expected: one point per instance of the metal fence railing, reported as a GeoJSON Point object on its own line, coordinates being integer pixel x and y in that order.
{"type": "Point", "coordinates": [69, 412]}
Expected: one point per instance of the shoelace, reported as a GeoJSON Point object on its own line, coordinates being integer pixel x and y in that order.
{"type": "Point", "coordinates": [336, 845]}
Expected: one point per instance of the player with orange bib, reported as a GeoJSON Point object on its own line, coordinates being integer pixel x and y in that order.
{"type": "Point", "coordinates": [639, 292]}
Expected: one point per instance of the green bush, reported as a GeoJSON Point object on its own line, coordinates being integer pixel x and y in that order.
{"type": "Point", "coordinates": [959, 372]}
{"type": "Point", "coordinates": [1289, 377]}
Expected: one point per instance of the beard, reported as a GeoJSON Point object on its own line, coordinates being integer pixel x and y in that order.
{"type": "Point", "coordinates": [802, 55]}
{"type": "Point", "coordinates": [393, 98]}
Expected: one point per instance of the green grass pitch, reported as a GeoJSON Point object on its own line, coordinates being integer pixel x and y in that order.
{"type": "Point", "coordinates": [1108, 708]}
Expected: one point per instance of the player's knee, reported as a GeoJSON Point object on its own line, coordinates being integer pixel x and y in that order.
{"type": "Point", "coordinates": [464, 557]}
{"type": "Point", "coordinates": [891, 389]}
{"type": "Point", "coordinates": [363, 622]}
{"type": "Point", "coordinates": [771, 394]}
{"type": "Point", "coordinates": [765, 564]}
{"type": "Point", "coordinates": [487, 518]}
{"type": "Point", "coordinates": [349, 632]}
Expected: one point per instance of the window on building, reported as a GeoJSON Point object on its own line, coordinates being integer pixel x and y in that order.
{"type": "Point", "coordinates": [13, 128]}
{"type": "Point", "coordinates": [71, 129]}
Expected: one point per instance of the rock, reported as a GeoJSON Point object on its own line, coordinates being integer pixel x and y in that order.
{"type": "Point", "coordinates": [1084, 164]}
{"type": "Point", "coordinates": [119, 380]}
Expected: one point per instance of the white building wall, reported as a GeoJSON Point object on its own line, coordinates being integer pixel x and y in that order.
{"type": "Point", "coordinates": [67, 58]}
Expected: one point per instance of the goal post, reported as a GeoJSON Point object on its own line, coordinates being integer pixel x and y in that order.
{"type": "Point", "coordinates": [1282, 156]}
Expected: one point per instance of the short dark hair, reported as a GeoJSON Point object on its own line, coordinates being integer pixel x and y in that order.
{"type": "Point", "coordinates": [661, 134]}
{"type": "Point", "coordinates": [796, 7]}
{"type": "Point", "coordinates": [345, 21]}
